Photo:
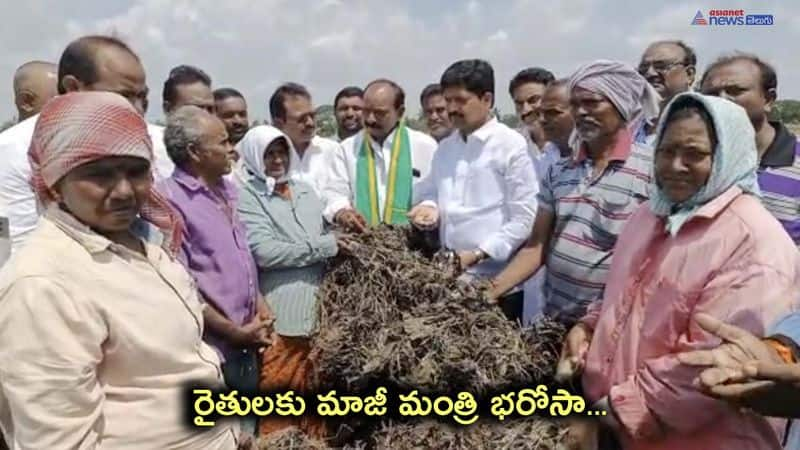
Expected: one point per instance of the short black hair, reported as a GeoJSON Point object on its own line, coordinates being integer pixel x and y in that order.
{"type": "Point", "coordinates": [769, 79]}
{"type": "Point", "coordinates": [430, 90]}
{"type": "Point", "coordinates": [349, 91]}
{"type": "Point", "coordinates": [689, 56]}
{"type": "Point", "coordinates": [688, 106]}
{"type": "Point", "coordinates": [78, 59]}
{"type": "Point", "coordinates": [530, 75]}
{"type": "Point", "coordinates": [474, 75]}
{"type": "Point", "coordinates": [181, 75]}
{"type": "Point", "coordinates": [277, 108]}
{"type": "Point", "coordinates": [399, 93]}
{"type": "Point", "coordinates": [225, 93]}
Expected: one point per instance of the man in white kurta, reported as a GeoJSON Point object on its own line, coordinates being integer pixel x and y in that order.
{"type": "Point", "coordinates": [383, 113]}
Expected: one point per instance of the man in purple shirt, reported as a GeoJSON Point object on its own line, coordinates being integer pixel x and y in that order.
{"type": "Point", "coordinates": [215, 249]}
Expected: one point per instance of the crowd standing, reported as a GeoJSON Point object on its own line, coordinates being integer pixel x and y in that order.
{"type": "Point", "coordinates": [655, 213]}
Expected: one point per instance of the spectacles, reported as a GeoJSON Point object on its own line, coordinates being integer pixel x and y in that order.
{"type": "Point", "coordinates": [659, 66]}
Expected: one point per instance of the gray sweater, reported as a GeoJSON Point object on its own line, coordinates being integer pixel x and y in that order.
{"type": "Point", "coordinates": [290, 247]}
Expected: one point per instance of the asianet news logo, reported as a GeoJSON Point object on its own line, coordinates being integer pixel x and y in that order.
{"type": "Point", "coordinates": [732, 17]}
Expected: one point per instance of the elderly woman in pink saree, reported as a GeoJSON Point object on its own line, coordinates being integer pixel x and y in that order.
{"type": "Point", "coordinates": [702, 244]}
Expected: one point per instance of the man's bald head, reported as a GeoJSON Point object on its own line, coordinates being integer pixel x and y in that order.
{"type": "Point", "coordinates": [35, 83]}
{"type": "Point", "coordinates": [103, 63]}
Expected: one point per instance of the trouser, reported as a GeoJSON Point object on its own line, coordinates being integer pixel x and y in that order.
{"type": "Point", "coordinates": [512, 304]}
{"type": "Point", "coordinates": [287, 365]}
{"type": "Point", "coordinates": [241, 373]}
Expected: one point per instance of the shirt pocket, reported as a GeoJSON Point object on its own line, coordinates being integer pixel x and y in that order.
{"type": "Point", "coordinates": [665, 318]}
{"type": "Point", "coordinates": [484, 185]}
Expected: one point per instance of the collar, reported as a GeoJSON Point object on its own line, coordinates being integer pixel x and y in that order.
{"type": "Point", "coordinates": [89, 239]}
{"type": "Point", "coordinates": [92, 241]}
{"type": "Point", "coordinates": [620, 151]}
{"type": "Point", "coordinates": [485, 130]}
{"type": "Point", "coordinates": [265, 189]}
{"type": "Point", "coordinates": [781, 152]}
{"type": "Point", "coordinates": [313, 145]}
{"type": "Point", "coordinates": [389, 137]}
{"type": "Point", "coordinates": [715, 206]}
{"type": "Point", "coordinates": [194, 183]}
{"type": "Point", "coordinates": [551, 148]}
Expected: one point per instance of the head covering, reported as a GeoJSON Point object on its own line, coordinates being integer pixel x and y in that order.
{"type": "Point", "coordinates": [82, 127]}
{"type": "Point", "coordinates": [735, 160]}
{"type": "Point", "coordinates": [630, 92]}
{"type": "Point", "coordinates": [252, 148]}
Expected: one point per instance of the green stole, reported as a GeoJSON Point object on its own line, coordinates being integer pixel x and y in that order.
{"type": "Point", "coordinates": [397, 200]}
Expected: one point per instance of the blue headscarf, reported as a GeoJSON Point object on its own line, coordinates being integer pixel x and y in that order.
{"type": "Point", "coordinates": [735, 160]}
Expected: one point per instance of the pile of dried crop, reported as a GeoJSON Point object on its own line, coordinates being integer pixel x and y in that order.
{"type": "Point", "coordinates": [392, 315]}
{"type": "Point", "coordinates": [527, 434]}
{"type": "Point", "coordinates": [523, 434]}
{"type": "Point", "coordinates": [290, 439]}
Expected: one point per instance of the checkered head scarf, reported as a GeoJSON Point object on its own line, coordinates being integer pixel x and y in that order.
{"type": "Point", "coordinates": [82, 127]}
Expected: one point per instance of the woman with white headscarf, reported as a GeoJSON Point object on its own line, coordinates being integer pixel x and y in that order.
{"type": "Point", "coordinates": [702, 244]}
{"type": "Point", "coordinates": [100, 329]}
{"type": "Point", "coordinates": [285, 231]}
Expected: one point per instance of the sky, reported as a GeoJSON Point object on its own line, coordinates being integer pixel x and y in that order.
{"type": "Point", "coordinates": [255, 45]}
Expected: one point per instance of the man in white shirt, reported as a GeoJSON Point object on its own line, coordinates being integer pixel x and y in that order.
{"type": "Point", "coordinates": [526, 90]}
{"type": "Point", "coordinates": [35, 82]}
{"type": "Point", "coordinates": [434, 108]}
{"type": "Point", "coordinates": [293, 113]}
{"type": "Point", "coordinates": [90, 63]}
{"type": "Point", "coordinates": [348, 106]}
{"type": "Point", "coordinates": [482, 187]}
{"type": "Point", "coordinates": [391, 156]}
{"type": "Point", "coordinates": [557, 124]}
{"type": "Point", "coordinates": [185, 85]}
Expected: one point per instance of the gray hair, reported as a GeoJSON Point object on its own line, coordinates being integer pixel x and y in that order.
{"type": "Point", "coordinates": [184, 128]}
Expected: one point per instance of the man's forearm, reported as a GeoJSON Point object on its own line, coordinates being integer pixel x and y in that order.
{"type": "Point", "coordinates": [524, 264]}
{"type": "Point", "coordinates": [218, 323]}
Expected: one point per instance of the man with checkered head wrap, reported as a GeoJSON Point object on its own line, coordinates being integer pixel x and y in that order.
{"type": "Point", "coordinates": [585, 200]}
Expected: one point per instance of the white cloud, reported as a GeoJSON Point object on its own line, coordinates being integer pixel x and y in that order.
{"type": "Point", "coordinates": [326, 44]}
{"type": "Point", "coordinates": [499, 35]}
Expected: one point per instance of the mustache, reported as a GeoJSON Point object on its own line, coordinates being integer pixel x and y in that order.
{"type": "Point", "coordinates": [122, 206]}
{"type": "Point", "coordinates": [587, 122]}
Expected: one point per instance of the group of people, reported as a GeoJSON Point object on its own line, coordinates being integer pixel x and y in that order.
{"type": "Point", "coordinates": [659, 222]}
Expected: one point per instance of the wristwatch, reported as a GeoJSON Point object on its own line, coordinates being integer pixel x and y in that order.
{"type": "Point", "coordinates": [480, 255]}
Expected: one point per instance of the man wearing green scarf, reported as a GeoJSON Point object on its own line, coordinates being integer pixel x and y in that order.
{"type": "Point", "coordinates": [374, 174]}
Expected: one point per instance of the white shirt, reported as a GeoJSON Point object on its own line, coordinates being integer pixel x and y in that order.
{"type": "Point", "coordinates": [340, 192]}
{"type": "Point", "coordinates": [543, 159]}
{"type": "Point", "coordinates": [17, 199]}
{"type": "Point", "coordinates": [485, 189]}
{"type": "Point", "coordinates": [163, 165]}
{"type": "Point", "coordinates": [314, 168]}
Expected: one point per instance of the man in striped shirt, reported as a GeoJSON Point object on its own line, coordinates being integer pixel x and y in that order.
{"type": "Point", "coordinates": [584, 201]}
{"type": "Point", "coordinates": [752, 84]}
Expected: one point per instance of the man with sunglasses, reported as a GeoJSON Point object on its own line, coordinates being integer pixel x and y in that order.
{"type": "Point", "coordinates": [670, 67]}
